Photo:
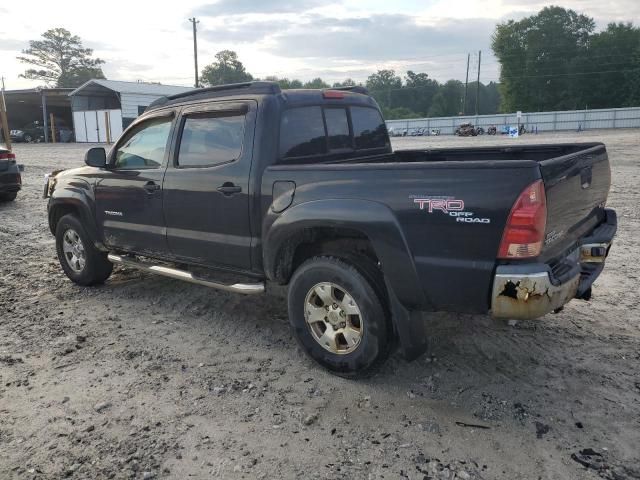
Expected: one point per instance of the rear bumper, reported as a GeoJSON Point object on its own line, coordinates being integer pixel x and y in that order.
{"type": "Point", "coordinates": [533, 290]}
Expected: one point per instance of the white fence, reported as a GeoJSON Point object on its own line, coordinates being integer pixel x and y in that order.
{"type": "Point", "coordinates": [542, 121]}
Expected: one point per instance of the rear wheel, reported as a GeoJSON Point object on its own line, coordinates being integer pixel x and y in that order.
{"type": "Point", "coordinates": [81, 261]}
{"type": "Point", "coordinates": [338, 317]}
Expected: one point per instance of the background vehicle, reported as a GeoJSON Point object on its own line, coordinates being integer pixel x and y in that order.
{"type": "Point", "coordinates": [468, 130]}
{"type": "Point", "coordinates": [34, 132]}
{"type": "Point", "coordinates": [301, 188]}
{"type": "Point", "coordinates": [10, 178]}
{"type": "Point", "coordinates": [398, 132]}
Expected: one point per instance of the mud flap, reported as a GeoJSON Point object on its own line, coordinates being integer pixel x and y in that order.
{"type": "Point", "coordinates": [410, 327]}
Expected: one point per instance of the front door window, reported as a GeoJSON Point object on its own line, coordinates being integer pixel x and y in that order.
{"type": "Point", "coordinates": [144, 146]}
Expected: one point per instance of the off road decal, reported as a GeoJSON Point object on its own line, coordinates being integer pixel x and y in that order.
{"type": "Point", "coordinates": [450, 206]}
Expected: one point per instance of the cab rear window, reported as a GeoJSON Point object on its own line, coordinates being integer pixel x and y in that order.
{"type": "Point", "coordinates": [316, 131]}
{"type": "Point", "coordinates": [302, 133]}
{"type": "Point", "coordinates": [369, 130]}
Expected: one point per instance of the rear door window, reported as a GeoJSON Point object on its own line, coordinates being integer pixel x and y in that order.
{"type": "Point", "coordinates": [210, 140]}
{"type": "Point", "coordinates": [302, 132]}
{"type": "Point", "coordinates": [339, 136]}
{"type": "Point", "coordinates": [369, 130]}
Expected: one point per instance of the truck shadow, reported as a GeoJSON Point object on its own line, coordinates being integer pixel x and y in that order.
{"type": "Point", "coordinates": [463, 349]}
{"type": "Point", "coordinates": [479, 375]}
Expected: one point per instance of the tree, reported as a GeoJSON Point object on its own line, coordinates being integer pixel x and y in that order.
{"type": "Point", "coordinates": [489, 98]}
{"type": "Point", "coordinates": [611, 67]}
{"type": "Point", "coordinates": [226, 69]}
{"type": "Point", "coordinates": [538, 57]}
{"type": "Point", "coordinates": [285, 83]}
{"type": "Point", "coordinates": [346, 83]}
{"type": "Point", "coordinates": [316, 83]}
{"type": "Point", "coordinates": [60, 60]}
{"type": "Point", "coordinates": [383, 85]}
{"type": "Point", "coordinates": [448, 101]}
{"type": "Point", "coordinates": [399, 113]}
{"type": "Point", "coordinates": [420, 90]}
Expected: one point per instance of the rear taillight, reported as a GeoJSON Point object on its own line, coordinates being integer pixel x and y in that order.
{"type": "Point", "coordinates": [524, 233]}
{"type": "Point", "coordinates": [7, 156]}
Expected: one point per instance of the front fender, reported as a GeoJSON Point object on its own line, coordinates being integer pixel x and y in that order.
{"type": "Point", "coordinates": [372, 219]}
{"type": "Point", "coordinates": [74, 195]}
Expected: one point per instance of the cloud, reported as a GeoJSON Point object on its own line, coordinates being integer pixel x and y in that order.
{"type": "Point", "coordinates": [240, 7]}
{"type": "Point", "coordinates": [244, 31]}
{"type": "Point", "coordinates": [353, 46]}
{"type": "Point", "coordinates": [382, 37]}
{"type": "Point", "coordinates": [9, 44]}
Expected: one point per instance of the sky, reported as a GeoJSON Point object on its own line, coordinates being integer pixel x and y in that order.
{"type": "Point", "coordinates": [152, 40]}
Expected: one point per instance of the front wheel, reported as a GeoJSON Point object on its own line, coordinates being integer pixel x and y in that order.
{"type": "Point", "coordinates": [81, 261]}
{"type": "Point", "coordinates": [337, 314]}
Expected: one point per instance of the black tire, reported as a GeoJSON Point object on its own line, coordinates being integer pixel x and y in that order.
{"type": "Point", "coordinates": [8, 197]}
{"type": "Point", "coordinates": [96, 267]}
{"type": "Point", "coordinates": [377, 333]}
{"type": "Point", "coordinates": [27, 138]}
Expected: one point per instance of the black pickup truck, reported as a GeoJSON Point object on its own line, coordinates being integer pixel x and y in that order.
{"type": "Point", "coordinates": [10, 177]}
{"type": "Point", "coordinates": [302, 188]}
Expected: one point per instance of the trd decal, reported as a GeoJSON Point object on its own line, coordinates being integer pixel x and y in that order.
{"type": "Point", "coordinates": [445, 205]}
{"type": "Point", "coordinates": [452, 207]}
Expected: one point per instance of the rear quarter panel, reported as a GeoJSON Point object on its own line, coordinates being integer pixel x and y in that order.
{"type": "Point", "coordinates": [454, 259]}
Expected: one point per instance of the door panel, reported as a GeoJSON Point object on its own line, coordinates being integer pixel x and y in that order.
{"type": "Point", "coordinates": [206, 189]}
{"type": "Point", "coordinates": [129, 197]}
{"type": "Point", "coordinates": [79, 126]}
{"type": "Point", "coordinates": [91, 125]}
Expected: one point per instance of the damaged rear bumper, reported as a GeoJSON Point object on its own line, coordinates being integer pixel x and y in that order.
{"type": "Point", "coordinates": [533, 290]}
{"type": "Point", "coordinates": [520, 295]}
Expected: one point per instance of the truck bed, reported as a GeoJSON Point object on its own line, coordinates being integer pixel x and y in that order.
{"type": "Point", "coordinates": [488, 181]}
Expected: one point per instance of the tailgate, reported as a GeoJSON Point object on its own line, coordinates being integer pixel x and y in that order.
{"type": "Point", "coordinates": [577, 186]}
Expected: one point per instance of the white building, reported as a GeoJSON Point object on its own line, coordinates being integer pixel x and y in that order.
{"type": "Point", "coordinates": [101, 107]}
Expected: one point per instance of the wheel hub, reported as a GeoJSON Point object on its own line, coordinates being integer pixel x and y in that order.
{"type": "Point", "coordinates": [73, 250]}
{"type": "Point", "coordinates": [334, 318]}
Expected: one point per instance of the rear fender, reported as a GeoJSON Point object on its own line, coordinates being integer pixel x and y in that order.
{"type": "Point", "coordinates": [375, 221]}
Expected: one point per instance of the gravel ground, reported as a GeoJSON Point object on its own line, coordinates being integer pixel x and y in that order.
{"type": "Point", "coordinates": [147, 377]}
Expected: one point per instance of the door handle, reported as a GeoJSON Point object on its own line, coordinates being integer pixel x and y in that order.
{"type": "Point", "coordinates": [229, 188]}
{"type": "Point", "coordinates": [151, 187]}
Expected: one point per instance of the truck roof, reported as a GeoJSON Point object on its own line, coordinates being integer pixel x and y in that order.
{"type": "Point", "coordinates": [259, 88]}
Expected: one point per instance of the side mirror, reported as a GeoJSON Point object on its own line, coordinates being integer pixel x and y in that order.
{"type": "Point", "coordinates": [96, 157]}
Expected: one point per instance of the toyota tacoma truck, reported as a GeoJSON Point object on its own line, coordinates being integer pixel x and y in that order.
{"type": "Point", "coordinates": [10, 177]}
{"type": "Point", "coordinates": [302, 188]}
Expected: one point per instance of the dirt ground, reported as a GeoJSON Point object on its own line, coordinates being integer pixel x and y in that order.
{"type": "Point", "coordinates": [147, 377]}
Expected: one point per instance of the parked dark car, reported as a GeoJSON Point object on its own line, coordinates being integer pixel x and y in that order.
{"type": "Point", "coordinates": [302, 188]}
{"type": "Point", "coordinates": [34, 132]}
{"type": "Point", "coordinates": [10, 177]}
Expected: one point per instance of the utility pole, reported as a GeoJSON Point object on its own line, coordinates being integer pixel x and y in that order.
{"type": "Point", "coordinates": [466, 86]}
{"type": "Point", "coordinates": [478, 85]}
{"type": "Point", "coordinates": [4, 124]}
{"type": "Point", "coordinates": [195, 48]}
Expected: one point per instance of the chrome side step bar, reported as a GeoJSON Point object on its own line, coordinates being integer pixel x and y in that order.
{"type": "Point", "coordinates": [245, 288]}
